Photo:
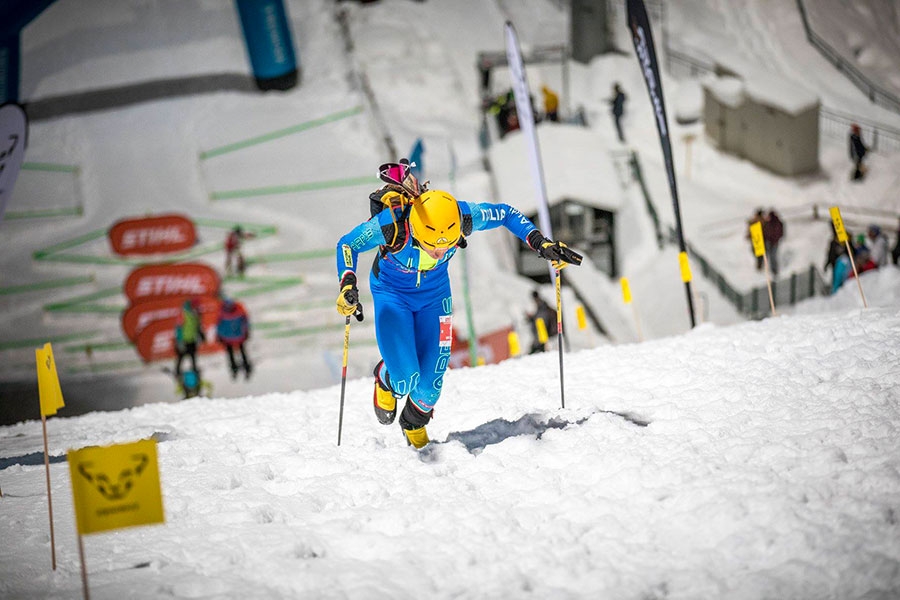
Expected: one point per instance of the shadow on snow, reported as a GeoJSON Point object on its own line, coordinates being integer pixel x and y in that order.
{"type": "Point", "coordinates": [494, 432]}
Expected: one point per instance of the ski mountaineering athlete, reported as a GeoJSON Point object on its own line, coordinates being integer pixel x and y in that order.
{"type": "Point", "coordinates": [417, 234]}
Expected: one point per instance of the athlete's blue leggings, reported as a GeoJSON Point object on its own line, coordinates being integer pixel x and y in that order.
{"type": "Point", "coordinates": [414, 333]}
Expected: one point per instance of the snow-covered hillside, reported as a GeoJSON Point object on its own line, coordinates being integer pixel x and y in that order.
{"type": "Point", "coordinates": [744, 462]}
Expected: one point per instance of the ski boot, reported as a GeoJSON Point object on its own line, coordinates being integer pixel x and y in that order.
{"type": "Point", "coordinates": [413, 421]}
{"type": "Point", "coordinates": [416, 438]}
{"type": "Point", "coordinates": [384, 400]}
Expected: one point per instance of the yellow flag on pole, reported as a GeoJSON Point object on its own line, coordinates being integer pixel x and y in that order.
{"type": "Point", "coordinates": [838, 224]}
{"type": "Point", "coordinates": [756, 237]}
{"type": "Point", "coordinates": [48, 381]}
{"type": "Point", "coordinates": [115, 486]}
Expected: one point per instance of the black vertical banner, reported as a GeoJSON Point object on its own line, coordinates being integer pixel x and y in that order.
{"type": "Point", "coordinates": [13, 129]}
{"type": "Point", "coordinates": [646, 55]}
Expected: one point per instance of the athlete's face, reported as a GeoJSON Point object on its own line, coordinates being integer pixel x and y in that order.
{"type": "Point", "coordinates": [435, 252]}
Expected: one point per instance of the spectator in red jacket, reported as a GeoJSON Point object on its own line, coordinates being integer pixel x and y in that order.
{"type": "Point", "coordinates": [232, 331]}
{"type": "Point", "coordinates": [233, 253]}
{"type": "Point", "coordinates": [773, 231]}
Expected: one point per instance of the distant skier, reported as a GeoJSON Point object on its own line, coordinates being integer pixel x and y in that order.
{"type": "Point", "coordinates": [232, 330]}
{"type": "Point", "coordinates": [188, 334]}
{"type": "Point", "coordinates": [551, 104]}
{"type": "Point", "coordinates": [617, 106]}
{"type": "Point", "coordinates": [411, 290]}
{"type": "Point", "coordinates": [233, 242]}
{"type": "Point", "coordinates": [190, 384]}
{"type": "Point", "coordinates": [858, 151]}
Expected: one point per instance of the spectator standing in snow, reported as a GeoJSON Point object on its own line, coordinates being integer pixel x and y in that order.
{"type": "Point", "coordinates": [233, 242]}
{"type": "Point", "coordinates": [618, 109]}
{"type": "Point", "coordinates": [551, 104]}
{"type": "Point", "coordinates": [232, 331]}
{"type": "Point", "coordinates": [773, 231]}
{"type": "Point", "coordinates": [858, 151]}
{"type": "Point", "coordinates": [188, 335]}
{"type": "Point", "coordinates": [546, 313]}
{"type": "Point", "coordinates": [878, 246]}
{"type": "Point", "coordinates": [842, 270]}
{"type": "Point", "coordinates": [895, 253]}
{"type": "Point", "coordinates": [835, 248]}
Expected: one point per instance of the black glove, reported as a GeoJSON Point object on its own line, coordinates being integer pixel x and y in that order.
{"type": "Point", "coordinates": [348, 300]}
{"type": "Point", "coordinates": [559, 255]}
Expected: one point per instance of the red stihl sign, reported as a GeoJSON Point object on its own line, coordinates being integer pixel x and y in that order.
{"type": "Point", "coordinates": [492, 347]}
{"type": "Point", "coordinates": [152, 235]}
{"type": "Point", "coordinates": [157, 340]}
{"type": "Point", "coordinates": [157, 281]}
{"type": "Point", "coordinates": [138, 316]}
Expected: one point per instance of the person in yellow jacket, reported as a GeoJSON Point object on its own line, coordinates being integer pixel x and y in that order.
{"type": "Point", "coordinates": [551, 104]}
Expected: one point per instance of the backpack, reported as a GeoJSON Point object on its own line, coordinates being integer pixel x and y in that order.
{"type": "Point", "coordinates": [400, 190]}
{"type": "Point", "coordinates": [393, 198]}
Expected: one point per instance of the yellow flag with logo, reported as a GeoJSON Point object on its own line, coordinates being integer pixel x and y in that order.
{"type": "Point", "coordinates": [115, 486]}
{"type": "Point", "coordinates": [838, 224]}
{"type": "Point", "coordinates": [48, 381]}
{"type": "Point", "coordinates": [756, 237]}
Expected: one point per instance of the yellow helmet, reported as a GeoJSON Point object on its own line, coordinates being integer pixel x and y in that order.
{"type": "Point", "coordinates": [435, 220]}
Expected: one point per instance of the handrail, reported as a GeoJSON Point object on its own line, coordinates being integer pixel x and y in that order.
{"type": "Point", "coordinates": [875, 93]}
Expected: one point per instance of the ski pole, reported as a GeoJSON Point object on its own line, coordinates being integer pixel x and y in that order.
{"type": "Point", "coordinates": [344, 376]}
{"type": "Point", "coordinates": [559, 334]}
{"type": "Point", "coordinates": [359, 317]}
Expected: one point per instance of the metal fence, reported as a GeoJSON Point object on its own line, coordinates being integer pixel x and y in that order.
{"type": "Point", "coordinates": [876, 93]}
{"type": "Point", "coordinates": [879, 138]}
{"type": "Point", "coordinates": [754, 303]}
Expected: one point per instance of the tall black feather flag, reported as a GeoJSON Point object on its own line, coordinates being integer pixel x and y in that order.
{"type": "Point", "coordinates": [646, 55]}
{"type": "Point", "coordinates": [13, 130]}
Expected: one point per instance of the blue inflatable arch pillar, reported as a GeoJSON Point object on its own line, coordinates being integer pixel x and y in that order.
{"type": "Point", "coordinates": [269, 43]}
{"type": "Point", "coordinates": [13, 17]}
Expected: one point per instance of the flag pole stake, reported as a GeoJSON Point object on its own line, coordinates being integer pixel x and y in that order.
{"type": "Point", "coordinates": [84, 579]}
{"type": "Point", "coordinates": [49, 496]}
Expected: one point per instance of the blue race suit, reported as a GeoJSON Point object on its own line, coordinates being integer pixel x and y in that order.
{"type": "Point", "coordinates": [411, 296]}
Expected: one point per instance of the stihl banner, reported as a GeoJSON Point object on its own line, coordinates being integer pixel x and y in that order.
{"type": "Point", "coordinates": [152, 235]}
{"type": "Point", "coordinates": [157, 340]}
{"type": "Point", "coordinates": [158, 281]}
{"type": "Point", "coordinates": [138, 316]}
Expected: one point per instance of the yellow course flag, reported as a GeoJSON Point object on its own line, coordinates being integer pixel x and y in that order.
{"type": "Point", "coordinates": [513, 341]}
{"type": "Point", "coordinates": [582, 319]}
{"type": "Point", "coordinates": [115, 486]}
{"type": "Point", "coordinates": [626, 290]}
{"type": "Point", "coordinates": [756, 236]}
{"type": "Point", "coordinates": [541, 330]}
{"type": "Point", "coordinates": [48, 381]}
{"type": "Point", "coordinates": [838, 224]}
{"type": "Point", "coordinates": [685, 266]}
